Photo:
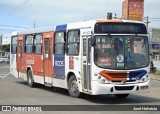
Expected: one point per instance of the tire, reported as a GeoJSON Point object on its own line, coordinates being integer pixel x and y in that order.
{"type": "Point", "coordinates": [30, 80]}
{"type": "Point", "coordinates": [73, 87]}
{"type": "Point", "coordinates": [121, 96]}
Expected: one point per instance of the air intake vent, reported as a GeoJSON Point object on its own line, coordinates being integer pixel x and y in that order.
{"type": "Point", "coordinates": [118, 88]}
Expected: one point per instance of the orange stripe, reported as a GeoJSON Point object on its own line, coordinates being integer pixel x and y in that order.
{"type": "Point", "coordinates": [114, 76]}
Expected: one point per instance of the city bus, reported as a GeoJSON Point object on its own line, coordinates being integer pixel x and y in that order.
{"type": "Point", "coordinates": [94, 57]}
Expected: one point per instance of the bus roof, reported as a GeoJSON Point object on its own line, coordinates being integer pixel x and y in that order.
{"type": "Point", "coordinates": [86, 24]}
{"type": "Point", "coordinates": [37, 30]}
{"type": "Point", "coordinates": [76, 25]}
{"type": "Point", "coordinates": [118, 20]}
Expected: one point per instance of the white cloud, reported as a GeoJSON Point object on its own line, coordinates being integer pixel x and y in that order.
{"type": "Point", "coordinates": [49, 12]}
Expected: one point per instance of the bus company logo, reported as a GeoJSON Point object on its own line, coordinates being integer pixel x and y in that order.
{"type": "Point", "coordinates": [28, 62]}
{"type": "Point", "coordinates": [124, 82]}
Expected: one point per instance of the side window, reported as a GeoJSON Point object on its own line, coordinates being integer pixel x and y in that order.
{"type": "Point", "coordinates": [73, 42]}
{"type": "Point", "coordinates": [46, 43]}
{"type": "Point", "coordinates": [13, 44]}
{"type": "Point", "coordinates": [59, 43]}
{"type": "Point", "coordinates": [28, 44]}
{"type": "Point", "coordinates": [38, 44]}
{"type": "Point", "coordinates": [19, 49]}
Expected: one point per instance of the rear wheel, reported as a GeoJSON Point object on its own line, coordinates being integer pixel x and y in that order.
{"type": "Point", "coordinates": [73, 87]}
{"type": "Point", "coordinates": [30, 79]}
{"type": "Point", "coordinates": [121, 96]}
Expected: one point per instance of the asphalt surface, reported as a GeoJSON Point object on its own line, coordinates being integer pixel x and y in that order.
{"type": "Point", "coordinates": [15, 91]}
{"type": "Point", "coordinates": [4, 70]}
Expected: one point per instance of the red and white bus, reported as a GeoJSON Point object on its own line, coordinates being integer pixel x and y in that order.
{"type": "Point", "coordinates": [93, 57]}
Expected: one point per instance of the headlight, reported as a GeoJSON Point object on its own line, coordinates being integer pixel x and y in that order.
{"type": "Point", "coordinates": [102, 80]}
{"type": "Point", "coordinates": [144, 79]}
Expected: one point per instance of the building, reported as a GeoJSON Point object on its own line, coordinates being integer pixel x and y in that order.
{"type": "Point", "coordinates": [155, 43]}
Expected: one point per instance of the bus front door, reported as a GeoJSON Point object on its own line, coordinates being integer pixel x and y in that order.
{"type": "Point", "coordinates": [86, 63]}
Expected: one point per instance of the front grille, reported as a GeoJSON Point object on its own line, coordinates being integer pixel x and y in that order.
{"type": "Point", "coordinates": [122, 81]}
{"type": "Point", "coordinates": [123, 88]}
{"type": "Point", "coordinates": [118, 75]}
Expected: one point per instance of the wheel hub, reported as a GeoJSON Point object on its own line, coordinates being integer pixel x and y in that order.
{"type": "Point", "coordinates": [74, 87]}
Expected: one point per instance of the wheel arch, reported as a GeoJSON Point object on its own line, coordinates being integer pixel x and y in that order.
{"type": "Point", "coordinates": [73, 87]}
{"type": "Point", "coordinates": [31, 83]}
{"type": "Point", "coordinates": [29, 68]}
{"type": "Point", "coordinates": [69, 76]}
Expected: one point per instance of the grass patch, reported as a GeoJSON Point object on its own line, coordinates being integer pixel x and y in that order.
{"type": "Point", "coordinates": [157, 73]}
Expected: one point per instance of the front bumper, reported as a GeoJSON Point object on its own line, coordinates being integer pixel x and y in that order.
{"type": "Point", "coordinates": [98, 88]}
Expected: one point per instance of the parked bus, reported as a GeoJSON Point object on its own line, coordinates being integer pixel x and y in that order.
{"type": "Point", "coordinates": [93, 57]}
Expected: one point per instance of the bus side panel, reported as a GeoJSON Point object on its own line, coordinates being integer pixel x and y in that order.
{"type": "Point", "coordinates": [30, 61]}
{"type": "Point", "coordinates": [34, 62]}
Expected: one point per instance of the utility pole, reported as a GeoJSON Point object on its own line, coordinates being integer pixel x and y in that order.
{"type": "Point", "coordinates": [34, 24]}
{"type": "Point", "coordinates": [147, 22]}
{"type": "Point", "coordinates": [1, 37]}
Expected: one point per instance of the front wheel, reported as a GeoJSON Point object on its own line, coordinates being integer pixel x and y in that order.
{"type": "Point", "coordinates": [121, 96]}
{"type": "Point", "coordinates": [73, 87]}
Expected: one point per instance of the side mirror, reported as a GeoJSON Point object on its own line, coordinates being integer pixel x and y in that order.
{"type": "Point", "coordinates": [93, 41]}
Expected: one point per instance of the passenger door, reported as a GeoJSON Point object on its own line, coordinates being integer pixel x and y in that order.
{"type": "Point", "coordinates": [19, 57]}
{"type": "Point", "coordinates": [86, 63]}
{"type": "Point", "coordinates": [47, 61]}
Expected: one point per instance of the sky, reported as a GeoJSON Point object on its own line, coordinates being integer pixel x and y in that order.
{"type": "Point", "coordinates": [21, 14]}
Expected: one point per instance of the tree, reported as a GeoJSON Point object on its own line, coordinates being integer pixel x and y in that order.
{"type": "Point", "coordinates": [6, 48]}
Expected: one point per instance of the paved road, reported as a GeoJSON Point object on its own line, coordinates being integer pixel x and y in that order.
{"type": "Point", "coordinates": [15, 91]}
{"type": "Point", "coordinates": [4, 70]}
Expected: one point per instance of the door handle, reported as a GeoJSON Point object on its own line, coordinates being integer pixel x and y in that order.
{"type": "Point", "coordinates": [84, 61]}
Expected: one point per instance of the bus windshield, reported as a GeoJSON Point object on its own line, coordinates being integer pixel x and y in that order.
{"type": "Point", "coordinates": [121, 52]}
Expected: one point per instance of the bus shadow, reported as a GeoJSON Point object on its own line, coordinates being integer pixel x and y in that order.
{"type": "Point", "coordinates": [99, 99]}
{"type": "Point", "coordinates": [22, 82]}
{"type": "Point", "coordinates": [111, 99]}
{"type": "Point", "coordinates": [48, 89]}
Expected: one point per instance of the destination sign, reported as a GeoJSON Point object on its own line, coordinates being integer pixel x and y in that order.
{"type": "Point", "coordinates": [120, 28]}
